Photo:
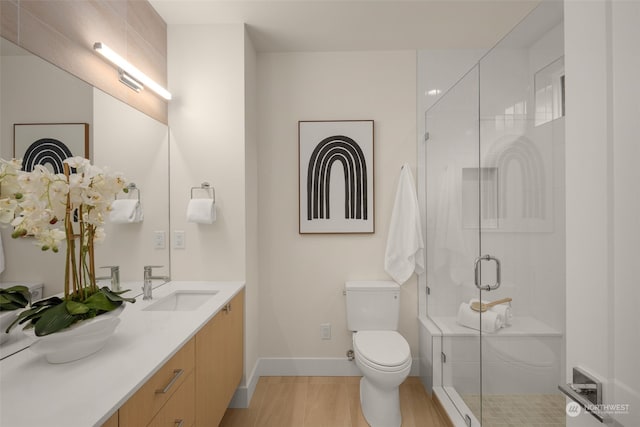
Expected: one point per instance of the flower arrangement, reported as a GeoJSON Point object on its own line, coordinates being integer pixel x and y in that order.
{"type": "Point", "coordinates": [67, 207]}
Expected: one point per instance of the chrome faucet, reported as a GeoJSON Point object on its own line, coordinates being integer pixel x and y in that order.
{"type": "Point", "coordinates": [114, 277]}
{"type": "Point", "coordinates": [147, 289]}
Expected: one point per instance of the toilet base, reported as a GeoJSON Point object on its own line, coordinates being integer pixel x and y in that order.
{"type": "Point", "coordinates": [380, 407]}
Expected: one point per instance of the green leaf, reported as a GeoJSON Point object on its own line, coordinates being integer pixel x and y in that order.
{"type": "Point", "coordinates": [14, 298]}
{"type": "Point", "coordinates": [99, 301]}
{"type": "Point", "coordinates": [53, 320]}
{"type": "Point", "coordinates": [115, 296]}
{"type": "Point", "coordinates": [74, 307]}
{"type": "Point", "coordinates": [47, 302]}
{"type": "Point", "coordinates": [10, 306]}
{"type": "Point", "coordinates": [26, 315]}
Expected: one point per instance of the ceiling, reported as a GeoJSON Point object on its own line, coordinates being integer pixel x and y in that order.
{"type": "Point", "coordinates": [344, 25]}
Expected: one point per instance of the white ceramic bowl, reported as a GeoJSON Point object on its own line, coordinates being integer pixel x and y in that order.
{"type": "Point", "coordinates": [80, 340]}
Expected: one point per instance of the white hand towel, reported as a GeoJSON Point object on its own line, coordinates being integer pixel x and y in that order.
{"type": "Point", "coordinates": [502, 309]}
{"type": "Point", "coordinates": [405, 246]}
{"type": "Point", "coordinates": [201, 211]}
{"type": "Point", "coordinates": [125, 211]}
{"type": "Point", "coordinates": [491, 321]}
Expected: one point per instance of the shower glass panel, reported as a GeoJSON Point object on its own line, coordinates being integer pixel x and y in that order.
{"type": "Point", "coordinates": [522, 142]}
{"type": "Point", "coordinates": [452, 180]}
{"type": "Point", "coordinates": [495, 199]}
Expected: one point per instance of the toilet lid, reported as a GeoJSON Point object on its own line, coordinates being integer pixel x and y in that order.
{"type": "Point", "coordinates": [384, 348]}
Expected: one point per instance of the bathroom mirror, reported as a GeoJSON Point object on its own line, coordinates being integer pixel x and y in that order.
{"type": "Point", "coordinates": [121, 138]}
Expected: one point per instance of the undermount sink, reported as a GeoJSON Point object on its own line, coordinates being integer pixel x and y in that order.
{"type": "Point", "coordinates": [181, 301]}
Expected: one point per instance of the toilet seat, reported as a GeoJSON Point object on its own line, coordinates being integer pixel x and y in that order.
{"type": "Point", "coordinates": [382, 350]}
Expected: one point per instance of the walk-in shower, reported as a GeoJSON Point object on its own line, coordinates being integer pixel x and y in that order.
{"type": "Point", "coordinates": [493, 192]}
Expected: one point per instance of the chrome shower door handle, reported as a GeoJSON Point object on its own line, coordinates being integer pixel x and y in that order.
{"type": "Point", "coordinates": [476, 267]}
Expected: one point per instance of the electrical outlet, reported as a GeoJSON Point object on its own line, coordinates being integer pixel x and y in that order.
{"type": "Point", "coordinates": [178, 239]}
{"type": "Point", "coordinates": [325, 331]}
{"type": "Point", "coordinates": [159, 239]}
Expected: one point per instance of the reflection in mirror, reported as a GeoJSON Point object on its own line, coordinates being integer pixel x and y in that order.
{"type": "Point", "coordinates": [121, 138]}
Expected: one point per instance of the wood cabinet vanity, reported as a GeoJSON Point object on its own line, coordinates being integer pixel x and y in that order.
{"type": "Point", "coordinates": [196, 385]}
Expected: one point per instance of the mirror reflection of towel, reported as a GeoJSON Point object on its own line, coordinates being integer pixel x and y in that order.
{"type": "Point", "coordinates": [450, 254]}
{"type": "Point", "coordinates": [405, 246]}
{"type": "Point", "coordinates": [124, 211]}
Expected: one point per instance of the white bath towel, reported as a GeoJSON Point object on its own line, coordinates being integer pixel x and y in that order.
{"type": "Point", "coordinates": [125, 211]}
{"type": "Point", "coordinates": [502, 309]}
{"type": "Point", "coordinates": [405, 246]}
{"type": "Point", "coordinates": [491, 321]}
{"type": "Point", "coordinates": [201, 211]}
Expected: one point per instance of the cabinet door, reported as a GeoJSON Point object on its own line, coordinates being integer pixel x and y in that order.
{"type": "Point", "coordinates": [219, 362]}
{"type": "Point", "coordinates": [234, 337]}
{"type": "Point", "coordinates": [210, 367]}
{"type": "Point", "coordinates": [111, 422]}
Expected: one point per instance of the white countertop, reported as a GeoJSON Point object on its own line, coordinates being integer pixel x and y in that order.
{"type": "Point", "coordinates": [35, 393]}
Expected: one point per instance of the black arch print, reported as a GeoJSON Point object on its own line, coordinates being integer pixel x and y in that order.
{"type": "Point", "coordinates": [46, 151]}
{"type": "Point", "coordinates": [330, 150]}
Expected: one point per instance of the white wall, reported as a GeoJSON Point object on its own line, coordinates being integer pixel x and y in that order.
{"type": "Point", "coordinates": [626, 251]}
{"type": "Point", "coordinates": [207, 125]}
{"type": "Point", "coordinates": [212, 70]}
{"type": "Point", "coordinates": [34, 91]}
{"type": "Point", "coordinates": [302, 276]}
{"type": "Point", "coordinates": [602, 199]}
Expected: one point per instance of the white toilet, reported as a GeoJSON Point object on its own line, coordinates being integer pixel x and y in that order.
{"type": "Point", "coordinates": [381, 353]}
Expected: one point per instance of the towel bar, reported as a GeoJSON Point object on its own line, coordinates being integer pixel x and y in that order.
{"type": "Point", "coordinates": [206, 187]}
{"type": "Point", "coordinates": [132, 187]}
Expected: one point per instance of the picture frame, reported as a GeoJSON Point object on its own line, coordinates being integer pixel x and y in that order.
{"type": "Point", "coordinates": [48, 144]}
{"type": "Point", "coordinates": [336, 177]}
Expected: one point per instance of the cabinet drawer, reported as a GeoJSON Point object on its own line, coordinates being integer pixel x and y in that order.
{"type": "Point", "coordinates": [142, 406]}
{"type": "Point", "coordinates": [180, 410]}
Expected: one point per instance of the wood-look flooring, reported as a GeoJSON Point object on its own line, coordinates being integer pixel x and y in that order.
{"type": "Point", "coordinates": [325, 402]}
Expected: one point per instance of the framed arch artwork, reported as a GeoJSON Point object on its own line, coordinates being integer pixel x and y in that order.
{"type": "Point", "coordinates": [336, 189]}
{"type": "Point", "coordinates": [48, 144]}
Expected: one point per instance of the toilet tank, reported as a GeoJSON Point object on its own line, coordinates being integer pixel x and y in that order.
{"type": "Point", "coordinates": [372, 305]}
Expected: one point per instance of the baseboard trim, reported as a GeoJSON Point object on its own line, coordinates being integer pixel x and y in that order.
{"type": "Point", "coordinates": [243, 394]}
{"type": "Point", "coordinates": [298, 367]}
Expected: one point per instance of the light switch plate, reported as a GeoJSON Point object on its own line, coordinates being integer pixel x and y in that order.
{"type": "Point", "coordinates": [178, 239]}
{"type": "Point", "coordinates": [159, 239]}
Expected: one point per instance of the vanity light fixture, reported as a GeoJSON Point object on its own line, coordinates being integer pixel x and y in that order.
{"type": "Point", "coordinates": [130, 75]}
{"type": "Point", "coordinates": [129, 81]}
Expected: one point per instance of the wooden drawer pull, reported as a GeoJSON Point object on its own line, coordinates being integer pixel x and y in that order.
{"type": "Point", "coordinates": [176, 374]}
{"type": "Point", "coordinates": [178, 423]}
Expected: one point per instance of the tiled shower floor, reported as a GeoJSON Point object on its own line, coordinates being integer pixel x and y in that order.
{"type": "Point", "coordinates": [520, 410]}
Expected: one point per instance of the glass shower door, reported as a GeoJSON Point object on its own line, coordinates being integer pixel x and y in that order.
{"type": "Point", "coordinates": [453, 239]}
{"type": "Point", "coordinates": [521, 215]}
